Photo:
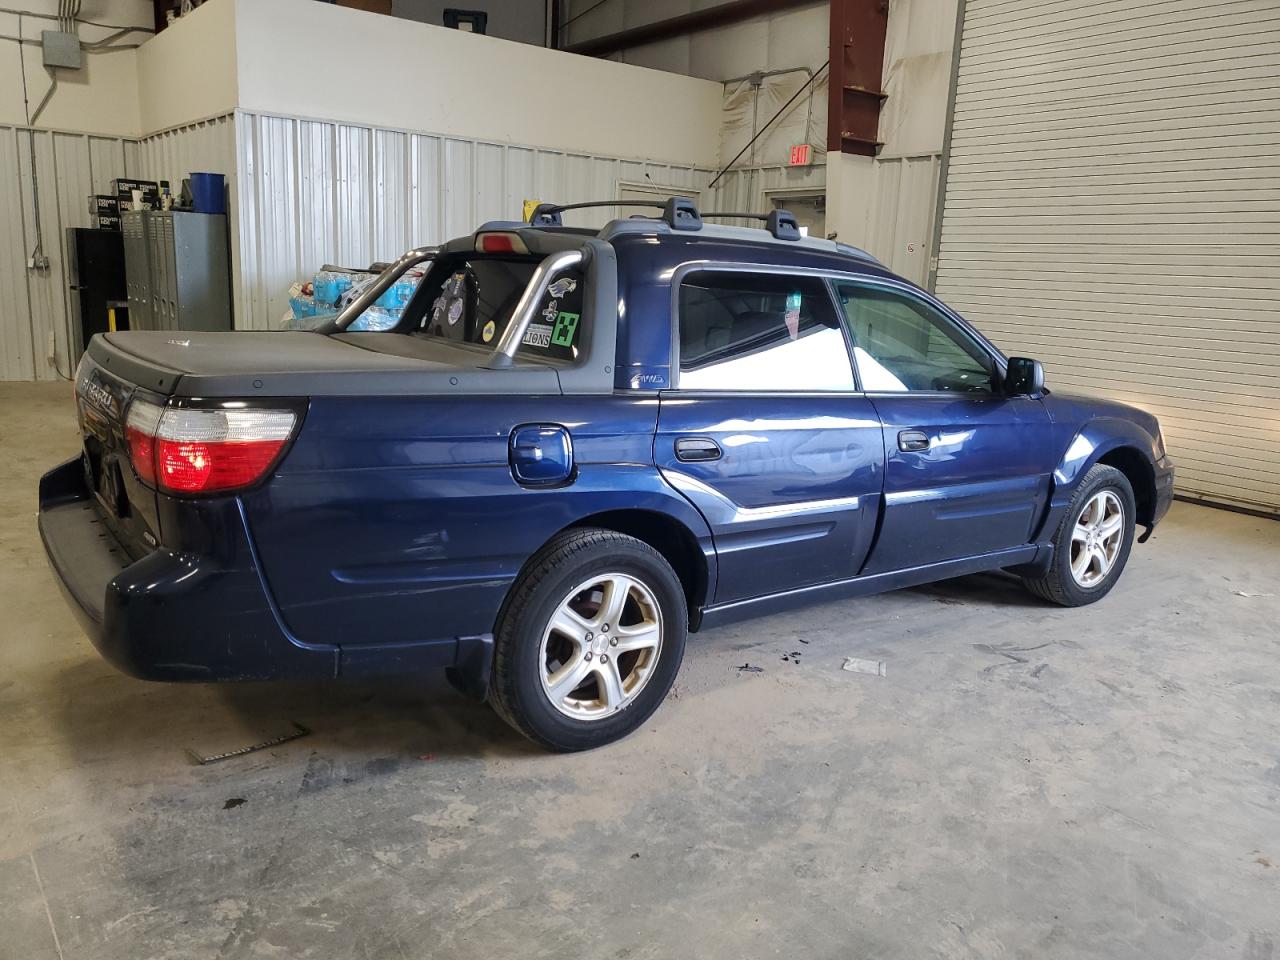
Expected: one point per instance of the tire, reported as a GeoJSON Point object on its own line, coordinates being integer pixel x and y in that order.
{"type": "Point", "coordinates": [583, 682]}
{"type": "Point", "coordinates": [1108, 486]}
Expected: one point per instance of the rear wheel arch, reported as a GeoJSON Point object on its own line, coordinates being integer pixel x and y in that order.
{"type": "Point", "coordinates": [673, 540]}
{"type": "Point", "coordinates": [670, 537]}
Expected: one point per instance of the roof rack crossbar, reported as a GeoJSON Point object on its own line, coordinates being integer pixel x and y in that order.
{"type": "Point", "coordinates": [548, 214]}
{"type": "Point", "coordinates": [780, 223]}
{"type": "Point", "coordinates": [679, 213]}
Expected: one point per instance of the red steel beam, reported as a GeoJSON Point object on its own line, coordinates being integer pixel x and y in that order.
{"type": "Point", "coordinates": [858, 29]}
{"type": "Point", "coordinates": [718, 16]}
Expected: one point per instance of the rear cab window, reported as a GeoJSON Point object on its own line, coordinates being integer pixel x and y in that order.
{"type": "Point", "coordinates": [471, 299]}
{"type": "Point", "coordinates": [751, 332]}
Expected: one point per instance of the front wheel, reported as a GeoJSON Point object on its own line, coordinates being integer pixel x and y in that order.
{"type": "Point", "coordinates": [590, 640]}
{"type": "Point", "coordinates": [1092, 544]}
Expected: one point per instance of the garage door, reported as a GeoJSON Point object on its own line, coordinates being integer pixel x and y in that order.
{"type": "Point", "coordinates": [1112, 208]}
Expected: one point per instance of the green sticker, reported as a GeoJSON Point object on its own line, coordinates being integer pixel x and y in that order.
{"type": "Point", "coordinates": [566, 327]}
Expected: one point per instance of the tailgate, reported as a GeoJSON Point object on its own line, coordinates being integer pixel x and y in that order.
{"type": "Point", "coordinates": [126, 507]}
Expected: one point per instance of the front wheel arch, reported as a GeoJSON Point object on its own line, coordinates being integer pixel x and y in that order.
{"type": "Point", "coordinates": [1140, 473]}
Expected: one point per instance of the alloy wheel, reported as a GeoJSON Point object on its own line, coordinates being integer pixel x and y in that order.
{"type": "Point", "coordinates": [1097, 538]}
{"type": "Point", "coordinates": [601, 646]}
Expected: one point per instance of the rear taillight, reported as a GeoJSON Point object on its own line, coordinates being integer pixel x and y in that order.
{"type": "Point", "coordinates": [205, 450]}
{"type": "Point", "coordinates": [140, 430]}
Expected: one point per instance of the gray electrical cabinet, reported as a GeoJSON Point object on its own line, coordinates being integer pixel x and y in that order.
{"type": "Point", "coordinates": [177, 270]}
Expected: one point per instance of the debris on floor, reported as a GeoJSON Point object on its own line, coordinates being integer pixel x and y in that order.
{"type": "Point", "coordinates": [874, 667]}
{"type": "Point", "coordinates": [792, 657]}
{"type": "Point", "coordinates": [234, 802]}
{"type": "Point", "coordinates": [1250, 596]}
{"type": "Point", "coordinates": [298, 731]}
{"type": "Point", "coordinates": [748, 668]}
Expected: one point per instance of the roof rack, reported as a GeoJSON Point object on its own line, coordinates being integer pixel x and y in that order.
{"type": "Point", "coordinates": [679, 213]}
{"type": "Point", "coordinates": [780, 223]}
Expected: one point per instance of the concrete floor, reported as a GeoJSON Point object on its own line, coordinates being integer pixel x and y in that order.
{"type": "Point", "coordinates": [1025, 782]}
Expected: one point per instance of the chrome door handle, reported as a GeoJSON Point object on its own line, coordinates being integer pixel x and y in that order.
{"type": "Point", "coordinates": [697, 449]}
{"type": "Point", "coordinates": [913, 441]}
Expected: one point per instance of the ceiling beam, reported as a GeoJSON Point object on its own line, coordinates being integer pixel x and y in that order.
{"type": "Point", "coordinates": [722, 15]}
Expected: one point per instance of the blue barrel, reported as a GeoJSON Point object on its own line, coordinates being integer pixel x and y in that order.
{"type": "Point", "coordinates": [209, 190]}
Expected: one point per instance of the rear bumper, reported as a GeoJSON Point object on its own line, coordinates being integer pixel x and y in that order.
{"type": "Point", "coordinates": [169, 615]}
{"type": "Point", "coordinates": [208, 615]}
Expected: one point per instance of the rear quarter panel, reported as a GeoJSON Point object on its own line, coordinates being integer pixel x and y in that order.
{"type": "Point", "coordinates": [396, 520]}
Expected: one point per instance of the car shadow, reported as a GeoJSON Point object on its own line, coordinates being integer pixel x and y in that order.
{"type": "Point", "coordinates": [997, 588]}
{"type": "Point", "coordinates": [106, 716]}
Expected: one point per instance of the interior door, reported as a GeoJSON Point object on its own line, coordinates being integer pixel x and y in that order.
{"type": "Point", "coordinates": [765, 434]}
{"type": "Point", "coordinates": [967, 469]}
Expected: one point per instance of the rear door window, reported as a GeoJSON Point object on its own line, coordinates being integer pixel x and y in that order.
{"type": "Point", "coordinates": [758, 332]}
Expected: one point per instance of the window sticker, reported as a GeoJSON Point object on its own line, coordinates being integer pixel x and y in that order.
{"type": "Point", "coordinates": [792, 317]}
{"type": "Point", "coordinates": [487, 333]}
{"type": "Point", "coordinates": [538, 335]}
{"type": "Point", "coordinates": [566, 327]}
{"type": "Point", "coordinates": [562, 288]}
{"type": "Point", "coordinates": [452, 300]}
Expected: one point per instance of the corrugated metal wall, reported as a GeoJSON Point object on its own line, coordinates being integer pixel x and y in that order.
{"type": "Point", "coordinates": [315, 192]}
{"type": "Point", "coordinates": [900, 231]}
{"type": "Point", "coordinates": [209, 147]}
{"type": "Point", "coordinates": [36, 340]}
{"type": "Point", "coordinates": [304, 193]}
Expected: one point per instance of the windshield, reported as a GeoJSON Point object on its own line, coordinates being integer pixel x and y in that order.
{"type": "Point", "coordinates": [471, 299]}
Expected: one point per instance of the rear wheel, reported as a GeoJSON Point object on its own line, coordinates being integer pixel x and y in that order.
{"type": "Point", "coordinates": [1092, 544]}
{"type": "Point", "coordinates": [590, 640]}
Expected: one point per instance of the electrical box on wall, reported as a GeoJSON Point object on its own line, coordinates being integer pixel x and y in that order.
{"type": "Point", "coordinates": [61, 49]}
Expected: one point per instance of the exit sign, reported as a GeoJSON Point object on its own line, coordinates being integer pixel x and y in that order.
{"type": "Point", "coordinates": [799, 155]}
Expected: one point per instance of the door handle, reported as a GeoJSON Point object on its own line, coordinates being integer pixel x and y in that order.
{"type": "Point", "coordinates": [697, 449]}
{"type": "Point", "coordinates": [913, 441]}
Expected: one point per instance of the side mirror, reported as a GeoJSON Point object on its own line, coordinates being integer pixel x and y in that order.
{"type": "Point", "coordinates": [1023, 377]}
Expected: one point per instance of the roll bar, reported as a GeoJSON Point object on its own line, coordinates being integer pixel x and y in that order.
{"type": "Point", "coordinates": [379, 286]}
{"type": "Point", "coordinates": [504, 353]}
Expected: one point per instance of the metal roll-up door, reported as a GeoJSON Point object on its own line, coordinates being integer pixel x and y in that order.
{"type": "Point", "coordinates": [1112, 208]}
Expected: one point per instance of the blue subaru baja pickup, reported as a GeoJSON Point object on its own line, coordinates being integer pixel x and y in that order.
{"type": "Point", "coordinates": [575, 447]}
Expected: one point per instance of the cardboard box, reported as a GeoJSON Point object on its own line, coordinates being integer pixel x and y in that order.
{"type": "Point", "coordinates": [124, 192]}
{"type": "Point", "coordinates": [107, 221]}
{"type": "Point", "coordinates": [125, 188]}
{"type": "Point", "coordinates": [101, 205]}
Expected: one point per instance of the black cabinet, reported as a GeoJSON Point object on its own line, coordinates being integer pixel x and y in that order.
{"type": "Point", "coordinates": [95, 259]}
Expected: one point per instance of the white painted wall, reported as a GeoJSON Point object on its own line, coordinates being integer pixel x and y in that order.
{"type": "Point", "coordinates": [779, 41]}
{"type": "Point", "coordinates": [100, 98]}
{"type": "Point", "coordinates": [187, 72]}
{"type": "Point", "coordinates": [392, 73]}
